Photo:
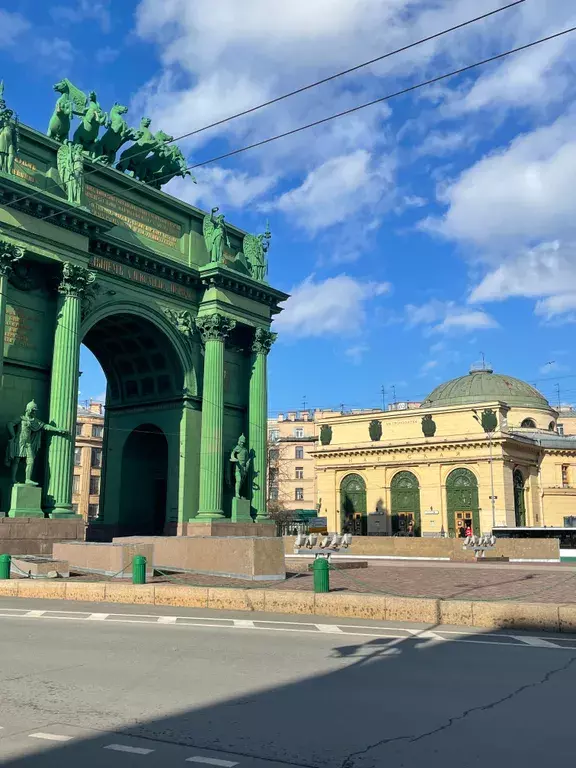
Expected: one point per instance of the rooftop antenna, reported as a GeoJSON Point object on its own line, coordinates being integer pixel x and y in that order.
{"type": "Point", "coordinates": [483, 356]}
{"type": "Point", "coordinates": [383, 393]}
{"type": "Point", "coordinates": [394, 394]}
{"type": "Point", "coordinates": [341, 408]}
{"type": "Point", "coordinates": [558, 393]}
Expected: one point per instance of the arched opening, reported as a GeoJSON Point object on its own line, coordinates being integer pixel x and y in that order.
{"type": "Point", "coordinates": [405, 504]}
{"type": "Point", "coordinates": [528, 424]}
{"type": "Point", "coordinates": [552, 426]}
{"type": "Point", "coordinates": [353, 505]}
{"type": "Point", "coordinates": [519, 498]}
{"type": "Point", "coordinates": [144, 482]}
{"type": "Point", "coordinates": [144, 384]}
{"type": "Point", "coordinates": [462, 502]}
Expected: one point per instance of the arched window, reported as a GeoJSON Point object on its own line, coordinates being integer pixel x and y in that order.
{"type": "Point", "coordinates": [528, 424]}
{"type": "Point", "coordinates": [552, 426]}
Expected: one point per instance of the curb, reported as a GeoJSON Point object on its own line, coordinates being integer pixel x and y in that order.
{"type": "Point", "coordinates": [545, 617]}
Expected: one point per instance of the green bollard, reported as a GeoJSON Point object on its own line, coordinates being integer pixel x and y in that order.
{"type": "Point", "coordinates": [5, 563]}
{"type": "Point", "coordinates": [139, 570]}
{"type": "Point", "coordinates": [321, 575]}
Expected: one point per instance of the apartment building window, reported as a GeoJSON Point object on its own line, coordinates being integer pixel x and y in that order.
{"type": "Point", "coordinates": [274, 453]}
{"type": "Point", "coordinates": [78, 430]}
{"type": "Point", "coordinates": [93, 510]}
{"type": "Point", "coordinates": [75, 508]}
{"type": "Point", "coordinates": [96, 460]}
{"type": "Point", "coordinates": [299, 452]}
{"type": "Point", "coordinates": [565, 476]}
{"type": "Point", "coordinates": [77, 456]}
{"type": "Point", "coordinates": [274, 434]}
{"type": "Point", "coordinates": [76, 484]}
{"type": "Point", "coordinates": [299, 432]}
{"type": "Point", "coordinates": [299, 473]}
{"type": "Point", "coordinates": [273, 474]}
{"type": "Point", "coordinates": [97, 430]}
{"type": "Point", "coordinates": [273, 494]}
{"type": "Point", "coordinates": [94, 485]}
{"type": "Point", "coordinates": [560, 428]}
{"type": "Point", "coordinates": [299, 494]}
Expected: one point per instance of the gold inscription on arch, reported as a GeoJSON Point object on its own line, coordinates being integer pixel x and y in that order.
{"type": "Point", "coordinates": [134, 217]}
{"type": "Point", "coordinates": [143, 278]}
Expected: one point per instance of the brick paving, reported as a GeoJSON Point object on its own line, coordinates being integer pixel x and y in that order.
{"type": "Point", "coordinates": [539, 583]}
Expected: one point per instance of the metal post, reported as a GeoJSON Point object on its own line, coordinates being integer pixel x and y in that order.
{"type": "Point", "coordinates": [139, 570]}
{"type": "Point", "coordinates": [321, 569]}
{"type": "Point", "coordinates": [5, 563]}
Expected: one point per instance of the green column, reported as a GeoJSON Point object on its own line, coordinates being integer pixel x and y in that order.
{"type": "Point", "coordinates": [214, 329]}
{"type": "Point", "coordinates": [9, 255]}
{"type": "Point", "coordinates": [258, 419]}
{"type": "Point", "coordinates": [64, 388]}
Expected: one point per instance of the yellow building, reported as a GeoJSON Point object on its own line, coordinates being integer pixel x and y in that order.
{"type": "Point", "coordinates": [88, 461]}
{"type": "Point", "coordinates": [291, 479]}
{"type": "Point", "coordinates": [483, 450]}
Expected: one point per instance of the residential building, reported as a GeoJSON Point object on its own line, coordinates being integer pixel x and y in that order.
{"type": "Point", "coordinates": [88, 460]}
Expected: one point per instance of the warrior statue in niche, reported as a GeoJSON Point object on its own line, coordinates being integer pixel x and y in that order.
{"type": "Point", "coordinates": [24, 439]}
{"type": "Point", "coordinates": [240, 460]}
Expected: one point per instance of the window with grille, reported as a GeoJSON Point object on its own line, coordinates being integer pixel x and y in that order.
{"type": "Point", "coordinates": [76, 484]}
{"type": "Point", "coordinates": [78, 430]}
{"type": "Point", "coordinates": [274, 453]}
{"type": "Point", "coordinates": [299, 452]}
{"type": "Point", "coordinates": [299, 494]}
{"type": "Point", "coordinates": [273, 494]}
{"type": "Point", "coordinates": [565, 476]}
{"type": "Point", "coordinates": [97, 430]}
{"type": "Point", "coordinates": [273, 474]}
{"type": "Point", "coordinates": [299, 473]}
{"type": "Point", "coordinates": [274, 434]}
{"type": "Point", "coordinates": [96, 460]}
{"type": "Point", "coordinates": [299, 432]}
{"type": "Point", "coordinates": [78, 456]}
{"type": "Point", "coordinates": [94, 485]}
{"type": "Point", "coordinates": [93, 510]}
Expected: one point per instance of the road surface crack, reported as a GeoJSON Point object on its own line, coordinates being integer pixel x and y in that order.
{"type": "Point", "coordinates": [350, 761]}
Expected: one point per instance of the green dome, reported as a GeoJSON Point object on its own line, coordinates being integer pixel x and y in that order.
{"type": "Point", "coordinates": [483, 385]}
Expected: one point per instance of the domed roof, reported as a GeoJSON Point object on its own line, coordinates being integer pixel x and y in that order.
{"type": "Point", "coordinates": [483, 385]}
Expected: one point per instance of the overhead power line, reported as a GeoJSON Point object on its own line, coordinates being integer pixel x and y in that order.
{"type": "Point", "coordinates": [328, 79]}
{"type": "Point", "coordinates": [388, 97]}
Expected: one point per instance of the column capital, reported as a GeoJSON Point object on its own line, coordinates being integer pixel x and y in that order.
{"type": "Point", "coordinates": [75, 280]}
{"type": "Point", "coordinates": [215, 327]}
{"type": "Point", "coordinates": [9, 255]}
{"type": "Point", "coordinates": [263, 340]}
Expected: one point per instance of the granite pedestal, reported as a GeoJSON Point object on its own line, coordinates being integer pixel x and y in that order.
{"type": "Point", "coordinates": [26, 501]}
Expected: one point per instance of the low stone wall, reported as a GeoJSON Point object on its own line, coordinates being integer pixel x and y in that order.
{"type": "Point", "coordinates": [36, 536]}
{"type": "Point", "coordinates": [450, 549]}
{"type": "Point", "coordinates": [549, 617]}
{"type": "Point", "coordinates": [107, 559]}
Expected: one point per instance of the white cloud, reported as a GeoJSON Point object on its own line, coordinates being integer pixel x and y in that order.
{"type": "Point", "coordinates": [560, 308]}
{"type": "Point", "coordinates": [12, 25]}
{"type": "Point", "coordinates": [84, 10]}
{"type": "Point", "coordinates": [356, 353]}
{"type": "Point", "coordinates": [552, 367]}
{"type": "Point", "coordinates": [336, 305]}
{"type": "Point", "coordinates": [520, 194]}
{"type": "Point", "coordinates": [337, 189]}
{"type": "Point", "coordinates": [428, 367]}
{"type": "Point", "coordinates": [448, 317]}
{"type": "Point", "coordinates": [222, 187]}
{"type": "Point", "coordinates": [107, 55]}
{"type": "Point", "coordinates": [56, 50]}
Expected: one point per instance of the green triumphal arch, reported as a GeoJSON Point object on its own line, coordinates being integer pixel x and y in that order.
{"type": "Point", "coordinates": [172, 301]}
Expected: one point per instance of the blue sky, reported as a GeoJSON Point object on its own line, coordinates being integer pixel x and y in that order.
{"type": "Point", "coordinates": [413, 236]}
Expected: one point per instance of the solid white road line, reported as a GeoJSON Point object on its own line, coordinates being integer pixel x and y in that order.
{"type": "Point", "coordinates": [537, 642]}
{"type": "Point", "coordinates": [35, 614]}
{"type": "Point", "coordinates": [167, 619]}
{"type": "Point", "coordinates": [212, 761]}
{"type": "Point", "coordinates": [98, 616]}
{"type": "Point", "coordinates": [133, 750]}
{"type": "Point", "coordinates": [330, 629]}
{"type": "Point", "coordinates": [50, 737]}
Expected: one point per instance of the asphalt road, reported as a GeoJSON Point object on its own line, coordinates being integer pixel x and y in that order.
{"type": "Point", "coordinates": [122, 686]}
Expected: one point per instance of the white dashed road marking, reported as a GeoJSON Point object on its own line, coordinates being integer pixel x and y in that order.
{"type": "Point", "coordinates": [98, 616]}
{"type": "Point", "coordinates": [537, 642]}
{"type": "Point", "coordinates": [133, 750]}
{"type": "Point", "coordinates": [50, 737]}
{"type": "Point", "coordinates": [245, 623]}
{"type": "Point", "coordinates": [212, 761]}
{"type": "Point", "coordinates": [35, 614]}
{"type": "Point", "coordinates": [167, 619]}
{"type": "Point", "coordinates": [329, 628]}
